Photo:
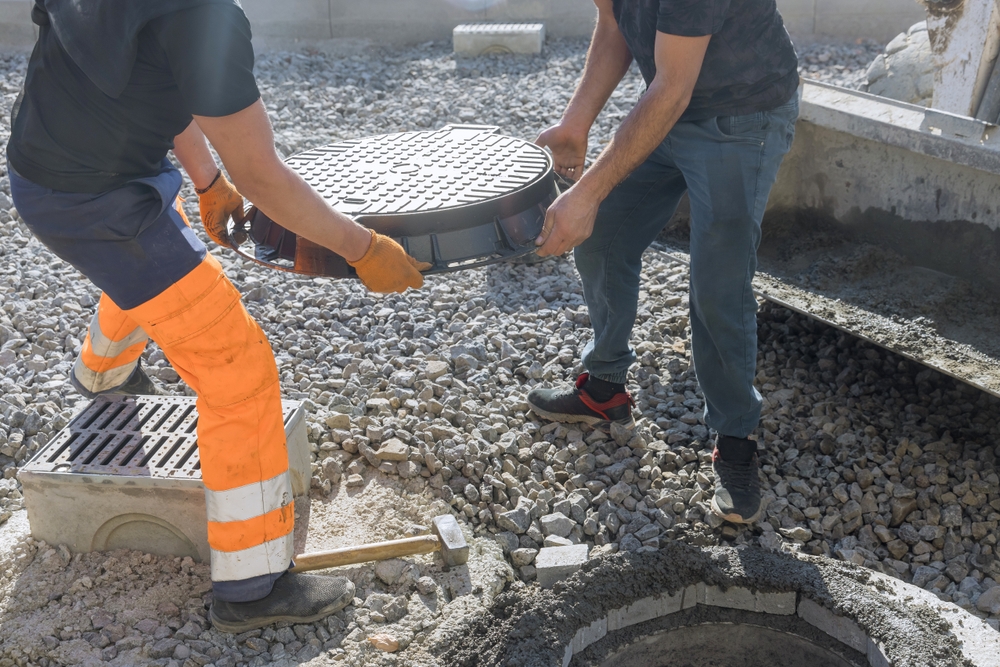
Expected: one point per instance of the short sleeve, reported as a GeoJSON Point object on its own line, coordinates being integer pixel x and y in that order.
{"type": "Point", "coordinates": [211, 58]}
{"type": "Point", "coordinates": [691, 18]}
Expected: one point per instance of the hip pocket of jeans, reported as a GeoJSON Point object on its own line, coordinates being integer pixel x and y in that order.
{"type": "Point", "coordinates": [749, 128]}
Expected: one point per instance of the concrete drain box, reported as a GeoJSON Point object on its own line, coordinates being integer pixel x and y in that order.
{"type": "Point", "coordinates": [125, 473]}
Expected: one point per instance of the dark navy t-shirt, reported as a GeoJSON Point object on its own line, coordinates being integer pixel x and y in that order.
{"type": "Point", "coordinates": [750, 64]}
{"type": "Point", "coordinates": [70, 136]}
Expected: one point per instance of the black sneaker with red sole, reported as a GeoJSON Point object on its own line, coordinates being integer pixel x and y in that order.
{"type": "Point", "coordinates": [575, 405]}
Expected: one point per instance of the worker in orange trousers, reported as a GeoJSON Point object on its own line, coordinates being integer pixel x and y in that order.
{"type": "Point", "coordinates": [111, 87]}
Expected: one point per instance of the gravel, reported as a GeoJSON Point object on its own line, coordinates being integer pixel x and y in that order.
{"type": "Point", "coordinates": [868, 458]}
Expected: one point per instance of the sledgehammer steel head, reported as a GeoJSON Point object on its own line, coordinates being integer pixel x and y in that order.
{"type": "Point", "coordinates": [454, 549]}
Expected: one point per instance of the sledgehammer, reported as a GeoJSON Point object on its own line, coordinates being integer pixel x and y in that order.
{"type": "Point", "coordinates": [447, 538]}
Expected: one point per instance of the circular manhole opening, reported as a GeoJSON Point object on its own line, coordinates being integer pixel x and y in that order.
{"type": "Point", "coordinates": [728, 645]}
{"type": "Point", "coordinates": [682, 606]}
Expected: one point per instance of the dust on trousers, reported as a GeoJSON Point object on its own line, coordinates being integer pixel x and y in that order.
{"type": "Point", "coordinates": [160, 283]}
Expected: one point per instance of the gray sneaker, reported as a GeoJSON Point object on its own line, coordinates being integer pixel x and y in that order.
{"type": "Point", "coordinates": [737, 489]}
{"type": "Point", "coordinates": [137, 384]}
{"type": "Point", "coordinates": [295, 598]}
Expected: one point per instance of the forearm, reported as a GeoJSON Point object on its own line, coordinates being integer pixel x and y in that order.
{"type": "Point", "coordinates": [608, 59]}
{"type": "Point", "coordinates": [245, 143]}
{"type": "Point", "coordinates": [191, 150]}
{"type": "Point", "coordinates": [283, 196]}
{"type": "Point", "coordinates": [645, 128]}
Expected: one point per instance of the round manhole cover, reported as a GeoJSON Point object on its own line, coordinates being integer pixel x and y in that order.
{"type": "Point", "coordinates": [457, 197]}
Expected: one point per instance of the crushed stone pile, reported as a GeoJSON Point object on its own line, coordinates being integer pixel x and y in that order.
{"type": "Point", "coordinates": [868, 458]}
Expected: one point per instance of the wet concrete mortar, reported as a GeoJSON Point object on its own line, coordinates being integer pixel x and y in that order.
{"type": "Point", "coordinates": [868, 458]}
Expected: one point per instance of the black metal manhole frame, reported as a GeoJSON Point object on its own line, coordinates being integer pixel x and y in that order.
{"type": "Point", "coordinates": [505, 232]}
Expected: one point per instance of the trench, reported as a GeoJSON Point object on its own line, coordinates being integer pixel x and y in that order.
{"type": "Point", "coordinates": [927, 292]}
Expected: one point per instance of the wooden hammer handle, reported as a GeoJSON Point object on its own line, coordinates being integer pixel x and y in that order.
{"type": "Point", "coordinates": [424, 544]}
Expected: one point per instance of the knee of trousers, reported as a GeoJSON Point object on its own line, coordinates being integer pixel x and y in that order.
{"type": "Point", "coordinates": [214, 344]}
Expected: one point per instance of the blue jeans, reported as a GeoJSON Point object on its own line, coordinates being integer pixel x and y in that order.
{"type": "Point", "coordinates": [727, 166]}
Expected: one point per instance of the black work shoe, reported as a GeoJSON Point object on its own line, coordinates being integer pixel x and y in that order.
{"type": "Point", "coordinates": [295, 598]}
{"type": "Point", "coordinates": [737, 487]}
{"type": "Point", "coordinates": [576, 405]}
{"type": "Point", "coordinates": [137, 384]}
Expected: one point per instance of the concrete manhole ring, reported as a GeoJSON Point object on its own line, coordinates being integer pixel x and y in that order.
{"type": "Point", "coordinates": [683, 606]}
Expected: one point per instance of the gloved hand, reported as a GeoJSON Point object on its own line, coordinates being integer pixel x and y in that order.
{"type": "Point", "coordinates": [387, 268]}
{"type": "Point", "coordinates": [217, 203]}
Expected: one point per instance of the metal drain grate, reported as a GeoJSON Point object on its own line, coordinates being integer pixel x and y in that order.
{"type": "Point", "coordinates": [133, 436]}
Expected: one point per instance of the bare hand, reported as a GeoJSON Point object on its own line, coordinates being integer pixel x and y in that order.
{"type": "Point", "coordinates": [569, 150]}
{"type": "Point", "coordinates": [568, 222]}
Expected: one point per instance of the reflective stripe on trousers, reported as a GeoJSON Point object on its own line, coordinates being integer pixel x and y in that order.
{"type": "Point", "coordinates": [111, 350]}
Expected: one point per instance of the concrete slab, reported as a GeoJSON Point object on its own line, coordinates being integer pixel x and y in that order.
{"type": "Point", "coordinates": [731, 598]}
{"type": "Point", "coordinates": [590, 634]}
{"type": "Point", "coordinates": [555, 563]}
{"type": "Point", "coordinates": [124, 474]}
{"type": "Point", "coordinates": [840, 628]}
{"type": "Point", "coordinates": [476, 39]}
{"type": "Point", "coordinates": [644, 610]}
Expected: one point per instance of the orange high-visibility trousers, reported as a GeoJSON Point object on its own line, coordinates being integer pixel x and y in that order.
{"type": "Point", "coordinates": [219, 350]}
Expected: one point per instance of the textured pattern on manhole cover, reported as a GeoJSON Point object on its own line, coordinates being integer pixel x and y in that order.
{"type": "Point", "coordinates": [136, 436]}
{"type": "Point", "coordinates": [413, 172]}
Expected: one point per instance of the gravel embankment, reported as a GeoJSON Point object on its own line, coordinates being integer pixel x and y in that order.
{"type": "Point", "coordinates": [868, 458]}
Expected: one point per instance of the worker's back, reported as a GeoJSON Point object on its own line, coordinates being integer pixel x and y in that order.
{"type": "Point", "coordinates": [108, 89]}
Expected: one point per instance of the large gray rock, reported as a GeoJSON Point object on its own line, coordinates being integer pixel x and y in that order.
{"type": "Point", "coordinates": [905, 71]}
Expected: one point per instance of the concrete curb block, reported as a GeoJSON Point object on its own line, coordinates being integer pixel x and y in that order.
{"type": "Point", "coordinates": [476, 39]}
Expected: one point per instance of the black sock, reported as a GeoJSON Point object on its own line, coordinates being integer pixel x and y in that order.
{"type": "Point", "coordinates": [736, 450]}
{"type": "Point", "coordinates": [602, 390]}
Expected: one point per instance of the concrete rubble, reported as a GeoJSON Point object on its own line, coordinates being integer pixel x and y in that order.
{"type": "Point", "coordinates": [416, 406]}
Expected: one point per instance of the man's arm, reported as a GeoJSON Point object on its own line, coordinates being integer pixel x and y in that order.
{"type": "Point", "coordinates": [191, 150]}
{"type": "Point", "coordinates": [245, 143]}
{"type": "Point", "coordinates": [608, 59]}
{"type": "Point", "coordinates": [570, 219]}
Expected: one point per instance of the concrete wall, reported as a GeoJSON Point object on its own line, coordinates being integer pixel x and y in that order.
{"type": "Point", "coordinates": [413, 21]}
{"type": "Point", "coordinates": [850, 19]}
{"type": "Point", "coordinates": [16, 29]}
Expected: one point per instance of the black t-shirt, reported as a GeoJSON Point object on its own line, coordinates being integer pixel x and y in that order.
{"type": "Point", "coordinates": [750, 64]}
{"type": "Point", "coordinates": [70, 136]}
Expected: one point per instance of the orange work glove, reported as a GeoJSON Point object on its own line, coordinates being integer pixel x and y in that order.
{"type": "Point", "coordinates": [217, 203]}
{"type": "Point", "coordinates": [387, 268]}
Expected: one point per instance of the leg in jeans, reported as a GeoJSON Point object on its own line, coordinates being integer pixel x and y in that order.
{"type": "Point", "coordinates": [610, 261]}
{"type": "Point", "coordinates": [730, 164]}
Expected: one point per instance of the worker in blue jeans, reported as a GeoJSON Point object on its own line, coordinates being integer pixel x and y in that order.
{"type": "Point", "coordinates": [715, 121]}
